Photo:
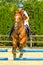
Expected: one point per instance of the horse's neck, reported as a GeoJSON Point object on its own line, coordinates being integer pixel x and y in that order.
{"type": "Point", "coordinates": [21, 22]}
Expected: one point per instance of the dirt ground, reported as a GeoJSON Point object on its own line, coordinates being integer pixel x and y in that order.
{"type": "Point", "coordinates": [27, 54]}
{"type": "Point", "coordinates": [21, 62]}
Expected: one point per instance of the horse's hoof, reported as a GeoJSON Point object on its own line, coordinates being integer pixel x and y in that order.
{"type": "Point", "coordinates": [14, 56]}
{"type": "Point", "coordinates": [21, 55]}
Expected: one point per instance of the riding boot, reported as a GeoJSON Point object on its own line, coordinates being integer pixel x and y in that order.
{"type": "Point", "coordinates": [28, 31]}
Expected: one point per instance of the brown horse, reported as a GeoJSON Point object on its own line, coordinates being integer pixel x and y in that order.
{"type": "Point", "coordinates": [19, 35]}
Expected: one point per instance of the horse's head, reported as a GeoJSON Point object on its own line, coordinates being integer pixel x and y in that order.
{"type": "Point", "coordinates": [18, 20]}
{"type": "Point", "coordinates": [17, 17]}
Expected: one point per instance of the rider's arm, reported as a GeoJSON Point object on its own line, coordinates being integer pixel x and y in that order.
{"type": "Point", "coordinates": [27, 17]}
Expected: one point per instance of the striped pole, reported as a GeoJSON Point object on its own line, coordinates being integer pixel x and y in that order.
{"type": "Point", "coordinates": [32, 59]}
{"type": "Point", "coordinates": [22, 59]}
{"type": "Point", "coordinates": [31, 50]}
{"type": "Point", "coordinates": [23, 50]}
{"type": "Point", "coordinates": [3, 59]}
{"type": "Point", "coordinates": [3, 50]}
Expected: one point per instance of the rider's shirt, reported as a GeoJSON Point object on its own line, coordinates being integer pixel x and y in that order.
{"type": "Point", "coordinates": [26, 21]}
{"type": "Point", "coordinates": [25, 17]}
{"type": "Point", "coordinates": [25, 13]}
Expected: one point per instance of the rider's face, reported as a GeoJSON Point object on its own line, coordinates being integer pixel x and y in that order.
{"type": "Point", "coordinates": [19, 9]}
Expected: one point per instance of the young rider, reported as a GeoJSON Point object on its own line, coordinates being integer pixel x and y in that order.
{"type": "Point", "coordinates": [21, 10]}
{"type": "Point", "coordinates": [24, 13]}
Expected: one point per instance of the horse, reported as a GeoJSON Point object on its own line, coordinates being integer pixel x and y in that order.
{"type": "Point", "coordinates": [19, 36]}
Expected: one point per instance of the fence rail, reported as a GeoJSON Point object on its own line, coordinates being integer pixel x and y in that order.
{"type": "Point", "coordinates": [5, 41]}
{"type": "Point", "coordinates": [34, 36]}
{"type": "Point", "coordinates": [31, 41]}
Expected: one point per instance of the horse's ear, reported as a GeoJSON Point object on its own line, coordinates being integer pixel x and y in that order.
{"type": "Point", "coordinates": [16, 12]}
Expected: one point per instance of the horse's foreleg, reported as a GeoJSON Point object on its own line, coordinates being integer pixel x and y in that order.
{"type": "Point", "coordinates": [14, 48]}
{"type": "Point", "coordinates": [14, 52]}
{"type": "Point", "coordinates": [22, 42]}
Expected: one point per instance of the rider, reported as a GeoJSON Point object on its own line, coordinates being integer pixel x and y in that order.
{"type": "Point", "coordinates": [21, 10]}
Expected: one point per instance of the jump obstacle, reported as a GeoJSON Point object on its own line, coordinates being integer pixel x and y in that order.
{"type": "Point", "coordinates": [23, 50]}
{"type": "Point", "coordinates": [33, 59]}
